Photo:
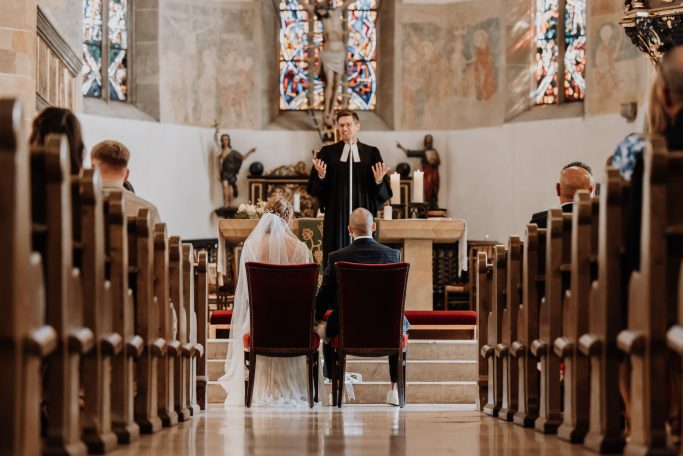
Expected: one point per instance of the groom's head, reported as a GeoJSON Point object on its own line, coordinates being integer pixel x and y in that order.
{"type": "Point", "coordinates": [361, 223]}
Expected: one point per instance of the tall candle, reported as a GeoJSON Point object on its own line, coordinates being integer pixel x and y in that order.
{"type": "Point", "coordinates": [396, 188]}
{"type": "Point", "coordinates": [387, 212]}
{"type": "Point", "coordinates": [418, 186]}
{"type": "Point", "coordinates": [297, 202]}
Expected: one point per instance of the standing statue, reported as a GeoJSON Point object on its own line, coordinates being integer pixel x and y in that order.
{"type": "Point", "coordinates": [430, 166]}
{"type": "Point", "coordinates": [229, 164]}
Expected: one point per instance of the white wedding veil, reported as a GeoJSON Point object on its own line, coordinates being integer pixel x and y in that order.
{"type": "Point", "coordinates": [272, 241]}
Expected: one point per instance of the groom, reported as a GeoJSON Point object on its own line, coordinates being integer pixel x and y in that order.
{"type": "Point", "coordinates": [366, 250]}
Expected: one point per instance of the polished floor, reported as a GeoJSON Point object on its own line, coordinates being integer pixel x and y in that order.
{"type": "Point", "coordinates": [423, 430]}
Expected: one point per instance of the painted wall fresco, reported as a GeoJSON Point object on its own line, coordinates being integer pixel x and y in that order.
{"type": "Point", "coordinates": [450, 66]}
{"type": "Point", "coordinates": [206, 64]}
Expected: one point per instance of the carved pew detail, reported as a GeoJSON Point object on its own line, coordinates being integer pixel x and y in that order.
{"type": "Point", "coordinates": [25, 339]}
{"type": "Point", "coordinates": [509, 328]}
{"type": "Point", "coordinates": [166, 395]}
{"type": "Point", "coordinates": [181, 374]}
{"type": "Point", "coordinates": [146, 322]}
{"type": "Point", "coordinates": [652, 297]}
{"type": "Point", "coordinates": [494, 330]}
{"type": "Point", "coordinates": [52, 231]}
{"type": "Point", "coordinates": [202, 303]}
{"type": "Point", "coordinates": [484, 284]}
{"type": "Point", "coordinates": [123, 364]}
{"type": "Point", "coordinates": [188, 303]}
{"type": "Point", "coordinates": [604, 434]}
{"type": "Point", "coordinates": [533, 284]}
{"type": "Point", "coordinates": [558, 245]}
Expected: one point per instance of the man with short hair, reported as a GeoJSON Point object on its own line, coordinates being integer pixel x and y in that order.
{"type": "Point", "coordinates": [111, 159]}
{"type": "Point", "coordinates": [365, 250]}
{"type": "Point", "coordinates": [574, 176]}
{"type": "Point", "coordinates": [347, 175]}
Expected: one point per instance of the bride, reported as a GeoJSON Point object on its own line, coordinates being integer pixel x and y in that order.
{"type": "Point", "coordinates": [278, 381]}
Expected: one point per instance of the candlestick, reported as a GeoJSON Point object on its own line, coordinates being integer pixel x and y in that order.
{"type": "Point", "coordinates": [297, 202]}
{"type": "Point", "coordinates": [418, 186]}
{"type": "Point", "coordinates": [388, 213]}
{"type": "Point", "coordinates": [396, 188]}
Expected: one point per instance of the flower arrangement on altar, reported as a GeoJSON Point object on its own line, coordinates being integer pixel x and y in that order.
{"type": "Point", "coordinates": [250, 211]}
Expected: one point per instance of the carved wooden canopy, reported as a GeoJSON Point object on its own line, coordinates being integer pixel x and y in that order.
{"type": "Point", "coordinates": [654, 26]}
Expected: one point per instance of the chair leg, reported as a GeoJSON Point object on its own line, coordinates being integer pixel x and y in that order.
{"type": "Point", "coordinates": [252, 374]}
{"type": "Point", "coordinates": [309, 383]}
{"type": "Point", "coordinates": [401, 380]}
{"type": "Point", "coordinates": [341, 377]}
{"type": "Point", "coordinates": [334, 372]}
{"type": "Point", "coordinates": [316, 373]}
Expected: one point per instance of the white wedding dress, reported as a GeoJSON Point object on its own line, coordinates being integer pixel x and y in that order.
{"type": "Point", "coordinates": [279, 382]}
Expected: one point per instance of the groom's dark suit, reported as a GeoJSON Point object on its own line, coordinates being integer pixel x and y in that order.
{"type": "Point", "coordinates": [365, 251]}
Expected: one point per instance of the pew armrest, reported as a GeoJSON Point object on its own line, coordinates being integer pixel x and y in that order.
{"type": "Point", "coordinates": [501, 350]}
{"type": "Point", "coordinates": [590, 344]}
{"type": "Point", "coordinates": [487, 351]}
{"type": "Point", "coordinates": [187, 350]}
{"type": "Point", "coordinates": [563, 347]}
{"type": "Point", "coordinates": [517, 350]}
{"type": "Point", "coordinates": [135, 346]}
{"type": "Point", "coordinates": [41, 342]}
{"type": "Point", "coordinates": [674, 339]}
{"type": "Point", "coordinates": [173, 347]}
{"type": "Point", "coordinates": [112, 344]}
{"type": "Point", "coordinates": [631, 342]}
{"type": "Point", "coordinates": [539, 348]}
{"type": "Point", "coordinates": [199, 350]}
{"type": "Point", "coordinates": [81, 341]}
{"type": "Point", "coordinates": [158, 347]}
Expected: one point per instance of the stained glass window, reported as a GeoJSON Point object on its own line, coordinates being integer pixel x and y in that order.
{"type": "Point", "coordinates": [550, 51]}
{"type": "Point", "coordinates": [360, 82]}
{"type": "Point", "coordinates": [111, 36]}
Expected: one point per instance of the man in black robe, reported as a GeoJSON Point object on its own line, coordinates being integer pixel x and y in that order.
{"type": "Point", "coordinates": [347, 175]}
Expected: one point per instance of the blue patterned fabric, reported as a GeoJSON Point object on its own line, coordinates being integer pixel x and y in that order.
{"type": "Point", "coordinates": [626, 153]}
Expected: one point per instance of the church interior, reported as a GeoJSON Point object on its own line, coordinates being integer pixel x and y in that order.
{"type": "Point", "coordinates": [532, 156]}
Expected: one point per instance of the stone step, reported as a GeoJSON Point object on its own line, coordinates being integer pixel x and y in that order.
{"type": "Point", "coordinates": [377, 369]}
{"type": "Point", "coordinates": [375, 393]}
{"type": "Point", "coordinates": [427, 349]}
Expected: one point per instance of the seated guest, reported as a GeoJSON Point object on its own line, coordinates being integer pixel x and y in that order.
{"type": "Point", "coordinates": [575, 176]}
{"type": "Point", "coordinates": [111, 159]}
{"type": "Point", "coordinates": [60, 120]}
{"type": "Point", "coordinates": [366, 250]}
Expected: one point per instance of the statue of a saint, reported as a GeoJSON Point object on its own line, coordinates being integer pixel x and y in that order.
{"type": "Point", "coordinates": [430, 166]}
{"type": "Point", "coordinates": [229, 164]}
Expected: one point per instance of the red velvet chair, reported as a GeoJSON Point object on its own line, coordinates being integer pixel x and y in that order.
{"type": "Point", "coordinates": [371, 301]}
{"type": "Point", "coordinates": [282, 306]}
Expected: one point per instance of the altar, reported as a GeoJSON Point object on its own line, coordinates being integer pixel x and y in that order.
{"type": "Point", "coordinates": [414, 237]}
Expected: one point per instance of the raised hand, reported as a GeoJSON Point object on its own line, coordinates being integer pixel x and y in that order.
{"type": "Point", "coordinates": [320, 166]}
{"type": "Point", "coordinates": [379, 170]}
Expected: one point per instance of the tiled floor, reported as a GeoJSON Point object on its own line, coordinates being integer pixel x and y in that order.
{"type": "Point", "coordinates": [423, 430]}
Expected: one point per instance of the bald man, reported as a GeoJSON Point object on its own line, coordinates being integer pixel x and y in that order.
{"type": "Point", "coordinates": [365, 250]}
{"type": "Point", "coordinates": [574, 176]}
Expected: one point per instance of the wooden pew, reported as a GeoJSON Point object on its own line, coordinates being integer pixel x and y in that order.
{"type": "Point", "coordinates": [141, 254]}
{"type": "Point", "coordinates": [509, 328]}
{"type": "Point", "coordinates": [181, 374]}
{"type": "Point", "coordinates": [558, 257]}
{"type": "Point", "coordinates": [202, 305]}
{"type": "Point", "coordinates": [533, 285]}
{"type": "Point", "coordinates": [188, 303]}
{"type": "Point", "coordinates": [165, 389]}
{"type": "Point", "coordinates": [98, 313]}
{"type": "Point", "coordinates": [600, 344]}
{"type": "Point", "coordinates": [674, 336]}
{"type": "Point", "coordinates": [575, 318]}
{"type": "Point", "coordinates": [483, 281]}
{"type": "Point", "coordinates": [123, 364]}
{"type": "Point", "coordinates": [652, 297]}
{"type": "Point", "coordinates": [494, 330]}
{"type": "Point", "coordinates": [52, 236]}
{"type": "Point", "coordinates": [24, 338]}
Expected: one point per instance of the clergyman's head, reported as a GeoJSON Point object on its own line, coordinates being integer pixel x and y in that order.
{"type": "Point", "coordinates": [349, 125]}
{"type": "Point", "coordinates": [361, 223]}
{"type": "Point", "coordinates": [574, 176]}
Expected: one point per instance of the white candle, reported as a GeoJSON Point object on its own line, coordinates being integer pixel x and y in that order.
{"type": "Point", "coordinates": [387, 212]}
{"type": "Point", "coordinates": [297, 202]}
{"type": "Point", "coordinates": [418, 186]}
{"type": "Point", "coordinates": [395, 188]}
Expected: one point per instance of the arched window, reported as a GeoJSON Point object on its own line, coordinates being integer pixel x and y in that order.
{"type": "Point", "coordinates": [105, 39]}
{"type": "Point", "coordinates": [359, 83]}
{"type": "Point", "coordinates": [560, 51]}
